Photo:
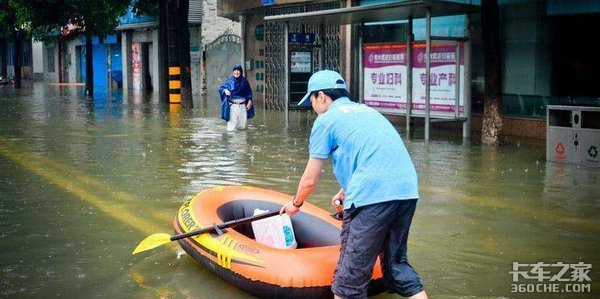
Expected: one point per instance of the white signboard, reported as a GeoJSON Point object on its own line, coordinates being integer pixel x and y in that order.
{"type": "Point", "coordinates": [385, 74]}
{"type": "Point", "coordinates": [300, 62]}
{"type": "Point", "coordinates": [385, 77]}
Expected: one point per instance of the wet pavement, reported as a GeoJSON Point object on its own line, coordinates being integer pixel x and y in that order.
{"type": "Point", "coordinates": [82, 182]}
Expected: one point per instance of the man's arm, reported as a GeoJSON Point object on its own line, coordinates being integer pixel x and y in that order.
{"type": "Point", "coordinates": [308, 183]}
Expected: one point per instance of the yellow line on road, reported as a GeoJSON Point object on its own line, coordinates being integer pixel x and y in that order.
{"type": "Point", "coordinates": [87, 189]}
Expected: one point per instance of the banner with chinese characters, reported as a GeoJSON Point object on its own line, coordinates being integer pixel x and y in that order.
{"type": "Point", "coordinates": [443, 80]}
{"type": "Point", "coordinates": [385, 73]}
{"type": "Point", "coordinates": [385, 77]}
{"type": "Point", "coordinates": [136, 66]}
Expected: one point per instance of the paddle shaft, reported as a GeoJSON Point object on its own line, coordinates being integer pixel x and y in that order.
{"type": "Point", "coordinates": [232, 223]}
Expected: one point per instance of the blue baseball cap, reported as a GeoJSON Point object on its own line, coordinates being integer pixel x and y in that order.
{"type": "Point", "coordinates": [322, 80]}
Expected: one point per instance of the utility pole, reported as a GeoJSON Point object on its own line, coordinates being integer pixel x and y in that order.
{"type": "Point", "coordinates": [175, 54]}
{"type": "Point", "coordinates": [173, 48]}
{"type": "Point", "coordinates": [184, 54]}
{"type": "Point", "coordinates": [17, 57]}
{"type": "Point", "coordinates": [163, 55]}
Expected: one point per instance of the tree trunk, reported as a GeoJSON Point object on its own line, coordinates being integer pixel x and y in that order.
{"type": "Point", "coordinates": [4, 59]}
{"type": "Point", "coordinates": [184, 54]}
{"type": "Point", "coordinates": [60, 66]}
{"type": "Point", "coordinates": [17, 58]}
{"type": "Point", "coordinates": [89, 66]}
{"type": "Point", "coordinates": [492, 129]}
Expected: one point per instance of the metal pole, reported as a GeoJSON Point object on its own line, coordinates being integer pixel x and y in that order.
{"type": "Point", "coordinates": [243, 41]}
{"type": "Point", "coordinates": [355, 89]}
{"type": "Point", "coordinates": [108, 67]}
{"type": "Point", "coordinates": [322, 48]}
{"type": "Point", "coordinates": [409, 81]}
{"type": "Point", "coordinates": [457, 82]}
{"type": "Point", "coordinates": [361, 69]}
{"type": "Point", "coordinates": [286, 47]}
{"type": "Point", "coordinates": [467, 81]}
{"type": "Point", "coordinates": [427, 69]}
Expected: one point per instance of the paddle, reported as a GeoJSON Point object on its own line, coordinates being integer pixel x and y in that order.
{"type": "Point", "coordinates": [158, 239]}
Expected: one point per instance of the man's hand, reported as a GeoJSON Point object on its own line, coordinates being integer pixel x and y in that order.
{"type": "Point", "coordinates": [227, 92]}
{"type": "Point", "coordinates": [249, 105]}
{"type": "Point", "coordinates": [339, 196]}
{"type": "Point", "coordinates": [289, 209]}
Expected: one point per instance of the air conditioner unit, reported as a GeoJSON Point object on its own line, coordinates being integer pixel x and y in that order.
{"type": "Point", "coordinates": [576, 119]}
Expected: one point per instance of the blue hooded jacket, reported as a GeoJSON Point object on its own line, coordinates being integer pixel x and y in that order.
{"type": "Point", "coordinates": [239, 88]}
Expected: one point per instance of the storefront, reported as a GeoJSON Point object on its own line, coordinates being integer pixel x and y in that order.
{"type": "Point", "coordinates": [106, 61]}
{"type": "Point", "coordinates": [540, 64]}
{"type": "Point", "coordinates": [140, 48]}
{"type": "Point", "coordinates": [405, 76]}
{"type": "Point", "coordinates": [267, 47]}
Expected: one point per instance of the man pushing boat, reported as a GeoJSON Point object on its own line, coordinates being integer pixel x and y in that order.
{"type": "Point", "coordinates": [379, 188]}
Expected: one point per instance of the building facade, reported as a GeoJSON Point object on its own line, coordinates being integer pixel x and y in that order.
{"type": "Point", "coordinates": [7, 69]}
{"type": "Point", "coordinates": [264, 52]}
{"type": "Point", "coordinates": [63, 61]}
{"type": "Point", "coordinates": [140, 42]}
{"type": "Point", "coordinates": [540, 63]}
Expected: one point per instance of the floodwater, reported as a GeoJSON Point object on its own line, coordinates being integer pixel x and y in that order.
{"type": "Point", "coordinates": [83, 182]}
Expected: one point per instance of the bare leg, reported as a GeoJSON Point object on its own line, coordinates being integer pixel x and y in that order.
{"type": "Point", "coordinates": [421, 295]}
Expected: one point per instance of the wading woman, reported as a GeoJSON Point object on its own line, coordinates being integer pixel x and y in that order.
{"type": "Point", "coordinates": [236, 100]}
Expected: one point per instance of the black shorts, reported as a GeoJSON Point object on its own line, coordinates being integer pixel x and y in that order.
{"type": "Point", "coordinates": [370, 231]}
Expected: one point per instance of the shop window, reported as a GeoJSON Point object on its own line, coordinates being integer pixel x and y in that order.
{"type": "Point", "coordinates": [385, 33]}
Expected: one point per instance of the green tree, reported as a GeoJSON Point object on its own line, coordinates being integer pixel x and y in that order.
{"type": "Point", "coordinates": [11, 28]}
{"type": "Point", "coordinates": [145, 7]}
{"type": "Point", "coordinates": [98, 17]}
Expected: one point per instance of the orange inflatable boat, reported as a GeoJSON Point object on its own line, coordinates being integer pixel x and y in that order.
{"type": "Point", "coordinates": [234, 255]}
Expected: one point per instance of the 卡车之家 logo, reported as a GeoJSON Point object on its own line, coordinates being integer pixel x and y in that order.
{"type": "Point", "coordinates": [556, 277]}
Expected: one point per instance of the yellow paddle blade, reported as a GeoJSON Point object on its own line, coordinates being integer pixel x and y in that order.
{"type": "Point", "coordinates": [152, 242]}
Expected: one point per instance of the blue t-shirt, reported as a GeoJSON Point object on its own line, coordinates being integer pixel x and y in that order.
{"type": "Point", "coordinates": [370, 160]}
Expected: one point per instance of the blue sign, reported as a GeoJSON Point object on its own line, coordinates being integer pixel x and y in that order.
{"type": "Point", "coordinates": [131, 18]}
{"type": "Point", "coordinates": [107, 40]}
{"type": "Point", "coordinates": [268, 2]}
{"type": "Point", "coordinates": [306, 38]}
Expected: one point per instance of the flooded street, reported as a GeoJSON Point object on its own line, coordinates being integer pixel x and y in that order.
{"type": "Point", "coordinates": [82, 182]}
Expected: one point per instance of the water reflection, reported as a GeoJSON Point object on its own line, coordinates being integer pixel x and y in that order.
{"type": "Point", "coordinates": [82, 182]}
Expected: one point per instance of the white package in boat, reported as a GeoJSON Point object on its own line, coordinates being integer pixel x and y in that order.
{"type": "Point", "coordinates": [276, 231]}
